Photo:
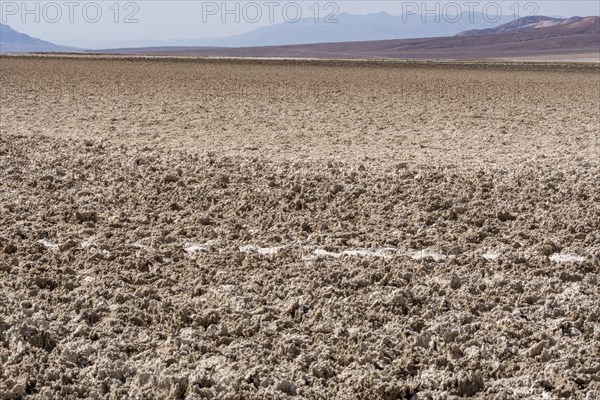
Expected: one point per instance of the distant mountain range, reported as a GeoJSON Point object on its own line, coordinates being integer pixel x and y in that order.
{"type": "Point", "coordinates": [353, 28]}
{"type": "Point", "coordinates": [348, 28]}
{"type": "Point", "coordinates": [374, 36]}
{"type": "Point", "coordinates": [13, 41]}
{"type": "Point", "coordinates": [526, 37]}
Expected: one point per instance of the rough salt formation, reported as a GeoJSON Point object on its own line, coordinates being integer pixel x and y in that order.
{"type": "Point", "coordinates": [130, 270]}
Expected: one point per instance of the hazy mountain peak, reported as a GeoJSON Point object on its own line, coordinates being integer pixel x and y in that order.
{"type": "Point", "coordinates": [12, 41]}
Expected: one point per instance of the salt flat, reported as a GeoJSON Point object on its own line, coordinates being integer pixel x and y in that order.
{"type": "Point", "coordinates": [182, 228]}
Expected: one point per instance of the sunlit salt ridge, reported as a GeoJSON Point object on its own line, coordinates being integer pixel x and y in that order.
{"type": "Point", "coordinates": [314, 253]}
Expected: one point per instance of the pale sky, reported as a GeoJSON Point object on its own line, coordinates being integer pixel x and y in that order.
{"type": "Point", "coordinates": [105, 23]}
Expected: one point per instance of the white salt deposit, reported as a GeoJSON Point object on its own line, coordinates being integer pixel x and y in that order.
{"type": "Point", "coordinates": [138, 245]}
{"type": "Point", "coordinates": [426, 253]}
{"type": "Point", "coordinates": [265, 251]}
{"type": "Point", "coordinates": [86, 244]}
{"type": "Point", "coordinates": [492, 254]}
{"type": "Point", "coordinates": [384, 252]}
{"type": "Point", "coordinates": [49, 245]}
{"type": "Point", "coordinates": [192, 248]}
{"type": "Point", "coordinates": [566, 258]}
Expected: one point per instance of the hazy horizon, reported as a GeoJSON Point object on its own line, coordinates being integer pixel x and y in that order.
{"type": "Point", "coordinates": [104, 25]}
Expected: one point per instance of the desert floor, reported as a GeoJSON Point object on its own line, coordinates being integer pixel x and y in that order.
{"type": "Point", "coordinates": [243, 229]}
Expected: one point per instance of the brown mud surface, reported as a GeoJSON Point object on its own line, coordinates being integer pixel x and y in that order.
{"type": "Point", "coordinates": [237, 230]}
